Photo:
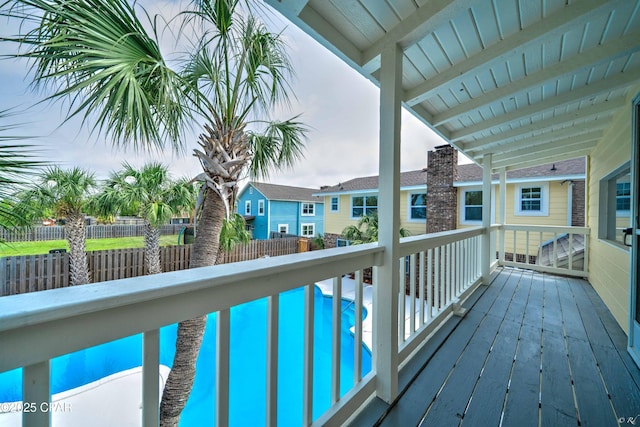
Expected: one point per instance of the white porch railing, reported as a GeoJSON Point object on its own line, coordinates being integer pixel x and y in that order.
{"type": "Point", "coordinates": [437, 272]}
{"type": "Point", "coordinates": [560, 250]}
{"type": "Point", "coordinates": [441, 269]}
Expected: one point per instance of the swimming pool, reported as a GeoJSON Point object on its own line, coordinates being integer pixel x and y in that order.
{"type": "Point", "coordinates": [247, 363]}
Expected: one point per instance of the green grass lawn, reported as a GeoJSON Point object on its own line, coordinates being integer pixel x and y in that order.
{"type": "Point", "coordinates": [43, 247]}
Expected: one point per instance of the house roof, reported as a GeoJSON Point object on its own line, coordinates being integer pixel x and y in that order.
{"type": "Point", "coordinates": [529, 82]}
{"type": "Point", "coordinates": [407, 179]}
{"type": "Point", "coordinates": [564, 168]}
{"type": "Point", "coordinates": [286, 192]}
{"type": "Point", "coordinates": [466, 173]}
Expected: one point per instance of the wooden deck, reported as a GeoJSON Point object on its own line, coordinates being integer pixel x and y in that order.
{"type": "Point", "coordinates": [533, 350]}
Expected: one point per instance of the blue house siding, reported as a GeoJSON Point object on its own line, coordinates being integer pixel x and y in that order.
{"type": "Point", "coordinates": [260, 222]}
{"type": "Point", "coordinates": [278, 213]}
{"type": "Point", "coordinates": [317, 219]}
{"type": "Point", "coordinates": [290, 213]}
{"type": "Point", "coordinates": [283, 212]}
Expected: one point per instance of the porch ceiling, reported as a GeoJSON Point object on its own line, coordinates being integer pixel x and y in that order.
{"type": "Point", "coordinates": [529, 80]}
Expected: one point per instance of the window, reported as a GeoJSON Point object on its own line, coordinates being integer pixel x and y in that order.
{"type": "Point", "coordinates": [283, 228]}
{"type": "Point", "coordinates": [335, 204]}
{"type": "Point", "coordinates": [623, 196]}
{"type": "Point", "coordinates": [532, 200]}
{"type": "Point", "coordinates": [418, 206]}
{"type": "Point", "coordinates": [364, 205]}
{"type": "Point", "coordinates": [342, 242]}
{"type": "Point", "coordinates": [261, 207]}
{"type": "Point", "coordinates": [615, 205]}
{"type": "Point", "coordinates": [308, 230]}
{"type": "Point", "coordinates": [247, 207]}
{"type": "Point", "coordinates": [472, 209]}
{"type": "Point", "coordinates": [308, 209]}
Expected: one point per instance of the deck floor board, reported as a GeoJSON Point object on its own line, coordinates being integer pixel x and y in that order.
{"type": "Point", "coordinates": [533, 349]}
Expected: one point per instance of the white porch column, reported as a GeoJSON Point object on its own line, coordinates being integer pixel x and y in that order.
{"type": "Point", "coordinates": [385, 301]}
{"type": "Point", "coordinates": [485, 260]}
{"type": "Point", "coordinates": [503, 211]}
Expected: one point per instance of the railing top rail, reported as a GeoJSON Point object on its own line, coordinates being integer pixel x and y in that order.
{"type": "Point", "coordinates": [131, 306]}
{"type": "Point", "coordinates": [39, 307]}
{"type": "Point", "coordinates": [415, 244]}
{"type": "Point", "coordinates": [547, 228]}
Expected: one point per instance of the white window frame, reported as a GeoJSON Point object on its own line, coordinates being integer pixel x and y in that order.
{"type": "Point", "coordinates": [305, 206]}
{"type": "Point", "coordinates": [410, 207]}
{"type": "Point", "coordinates": [607, 204]}
{"type": "Point", "coordinates": [309, 224]}
{"type": "Point", "coordinates": [261, 207]}
{"type": "Point", "coordinates": [337, 209]}
{"type": "Point", "coordinates": [544, 199]}
{"type": "Point", "coordinates": [364, 204]}
{"type": "Point", "coordinates": [285, 227]}
{"type": "Point", "coordinates": [462, 206]}
{"type": "Point", "coordinates": [247, 207]}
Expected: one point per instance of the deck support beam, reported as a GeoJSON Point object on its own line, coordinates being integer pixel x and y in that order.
{"type": "Point", "coordinates": [485, 260]}
{"type": "Point", "coordinates": [386, 288]}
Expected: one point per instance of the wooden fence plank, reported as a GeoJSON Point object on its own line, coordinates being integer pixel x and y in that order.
{"type": "Point", "coordinates": [20, 274]}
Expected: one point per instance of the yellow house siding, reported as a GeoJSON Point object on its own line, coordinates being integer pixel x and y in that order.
{"type": "Point", "coordinates": [335, 222]}
{"type": "Point", "coordinates": [608, 263]}
{"type": "Point", "coordinates": [558, 213]}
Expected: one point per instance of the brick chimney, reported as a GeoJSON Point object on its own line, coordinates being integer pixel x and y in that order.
{"type": "Point", "coordinates": [442, 196]}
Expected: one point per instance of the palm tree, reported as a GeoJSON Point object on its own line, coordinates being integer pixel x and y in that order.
{"type": "Point", "coordinates": [97, 54]}
{"type": "Point", "coordinates": [357, 234]}
{"type": "Point", "coordinates": [150, 193]}
{"type": "Point", "coordinates": [63, 194]}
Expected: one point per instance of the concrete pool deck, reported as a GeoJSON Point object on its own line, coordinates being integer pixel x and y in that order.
{"type": "Point", "coordinates": [115, 400]}
{"type": "Point", "coordinates": [349, 293]}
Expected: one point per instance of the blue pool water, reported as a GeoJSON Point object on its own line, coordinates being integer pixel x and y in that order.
{"type": "Point", "coordinates": [247, 365]}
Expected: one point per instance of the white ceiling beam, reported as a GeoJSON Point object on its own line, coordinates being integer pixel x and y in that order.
{"type": "Point", "coordinates": [567, 144]}
{"type": "Point", "coordinates": [585, 92]}
{"type": "Point", "coordinates": [534, 144]}
{"type": "Point", "coordinates": [419, 24]}
{"type": "Point", "coordinates": [575, 64]}
{"type": "Point", "coordinates": [574, 14]}
{"type": "Point", "coordinates": [534, 160]}
{"type": "Point", "coordinates": [586, 113]}
{"type": "Point", "coordinates": [300, 13]}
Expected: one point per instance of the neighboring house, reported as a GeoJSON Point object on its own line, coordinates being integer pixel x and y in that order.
{"type": "Point", "coordinates": [551, 194]}
{"type": "Point", "coordinates": [272, 208]}
{"type": "Point", "coordinates": [345, 203]}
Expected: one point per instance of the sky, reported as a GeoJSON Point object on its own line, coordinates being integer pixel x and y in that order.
{"type": "Point", "coordinates": [338, 105]}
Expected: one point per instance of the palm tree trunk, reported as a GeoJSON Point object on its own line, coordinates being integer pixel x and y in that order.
{"type": "Point", "coordinates": [190, 332]}
{"type": "Point", "coordinates": [152, 249]}
{"type": "Point", "coordinates": [75, 231]}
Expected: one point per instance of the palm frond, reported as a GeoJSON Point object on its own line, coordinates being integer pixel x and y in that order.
{"type": "Point", "coordinates": [279, 147]}
{"type": "Point", "coordinates": [96, 55]}
{"type": "Point", "coordinates": [233, 232]}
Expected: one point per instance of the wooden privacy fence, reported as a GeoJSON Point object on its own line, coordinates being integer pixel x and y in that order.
{"type": "Point", "coordinates": [30, 273]}
{"type": "Point", "coordinates": [260, 248]}
{"type": "Point", "coordinates": [56, 232]}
